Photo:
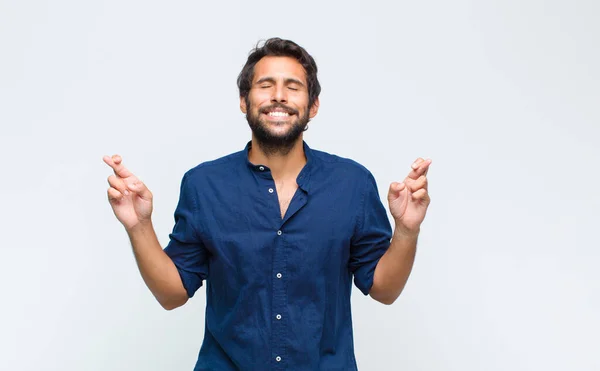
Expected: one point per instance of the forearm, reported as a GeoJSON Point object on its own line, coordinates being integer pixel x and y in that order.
{"type": "Point", "coordinates": [157, 269]}
{"type": "Point", "coordinates": [394, 267]}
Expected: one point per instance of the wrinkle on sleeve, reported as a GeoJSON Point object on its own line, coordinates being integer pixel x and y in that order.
{"type": "Point", "coordinates": [185, 247]}
{"type": "Point", "coordinates": [371, 237]}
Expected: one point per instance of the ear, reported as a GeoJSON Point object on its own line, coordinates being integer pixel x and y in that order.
{"type": "Point", "coordinates": [243, 107]}
{"type": "Point", "coordinates": [314, 108]}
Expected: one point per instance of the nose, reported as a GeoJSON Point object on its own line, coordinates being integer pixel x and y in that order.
{"type": "Point", "coordinates": [279, 94]}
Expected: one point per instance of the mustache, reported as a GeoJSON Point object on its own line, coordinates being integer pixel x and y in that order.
{"type": "Point", "coordinates": [273, 106]}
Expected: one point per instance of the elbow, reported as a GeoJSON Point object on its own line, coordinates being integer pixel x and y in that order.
{"type": "Point", "coordinates": [172, 303]}
{"type": "Point", "coordinates": [389, 300]}
{"type": "Point", "coordinates": [169, 306]}
{"type": "Point", "coordinates": [384, 295]}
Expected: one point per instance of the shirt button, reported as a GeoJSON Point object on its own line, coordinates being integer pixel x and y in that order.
{"type": "Point", "coordinates": [261, 168]}
{"type": "Point", "coordinates": [270, 190]}
{"type": "Point", "coordinates": [278, 316]}
{"type": "Point", "coordinates": [278, 275]}
{"type": "Point", "coordinates": [278, 359]}
{"type": "Point", "coordinates": [279, 233]}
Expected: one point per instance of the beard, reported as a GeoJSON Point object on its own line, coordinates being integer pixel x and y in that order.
{"type": "Point", "coordinates": [274, 143]}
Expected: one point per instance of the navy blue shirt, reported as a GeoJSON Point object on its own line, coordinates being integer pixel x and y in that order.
{"type": "Point", "coordinates": [278, 289]}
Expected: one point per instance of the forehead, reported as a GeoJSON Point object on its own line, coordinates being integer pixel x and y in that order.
{"type": "Point", "coordinates": [279, 67]}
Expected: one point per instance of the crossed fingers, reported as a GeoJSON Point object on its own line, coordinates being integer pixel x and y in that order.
{"type": "Point", "coordinates": [115, 162]}
{"type": "Point", "coordinates": [416, 181]}
{"type": "Point", "coordinates": [121, 180]}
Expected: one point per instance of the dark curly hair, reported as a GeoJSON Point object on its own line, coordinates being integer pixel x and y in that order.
{"type": "Point", "coordinates": [280, 48]}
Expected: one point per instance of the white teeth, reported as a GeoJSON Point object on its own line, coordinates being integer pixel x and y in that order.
{"type": "Point", "coordinates": [279, 114]}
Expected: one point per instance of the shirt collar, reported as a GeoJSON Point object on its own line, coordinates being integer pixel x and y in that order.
{"type": "Point", "coordinates": [303, 178]}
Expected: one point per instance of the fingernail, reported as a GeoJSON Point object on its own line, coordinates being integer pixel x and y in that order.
{"type": "Point", "coordinates": [126, 193]}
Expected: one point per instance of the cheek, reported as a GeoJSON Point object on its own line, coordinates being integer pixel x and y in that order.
{"type": "Point", "coordinates": [301, 100]}
{"type": "Point", "coordinates": [258, 100]}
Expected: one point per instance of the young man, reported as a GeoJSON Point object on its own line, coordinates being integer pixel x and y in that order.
{"type": "Point", "coordinates": [277, 230]}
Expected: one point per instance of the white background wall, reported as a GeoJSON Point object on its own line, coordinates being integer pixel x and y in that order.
{"type": "Point", "coordinates": [503, 95]}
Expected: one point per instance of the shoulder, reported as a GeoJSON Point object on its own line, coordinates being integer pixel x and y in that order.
{"type": "Point", "coordinates": [225, 166]}
{"type": "Point", "coordinates": [348, 167]}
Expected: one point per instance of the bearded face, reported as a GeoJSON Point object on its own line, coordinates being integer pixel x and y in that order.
{"type": "Point", "coordinates": [277, 107]}
{"type": "Point", "coordinates": [276, 127]}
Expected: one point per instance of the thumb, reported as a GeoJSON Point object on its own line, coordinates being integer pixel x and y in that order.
{"type": "Point", "coordinates": [395, 190]}
{"type": "Point", "coordinates": [140, 188]}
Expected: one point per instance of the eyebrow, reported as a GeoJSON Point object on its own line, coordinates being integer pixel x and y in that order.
{"type": "Point", "coordinates": [286, 81]}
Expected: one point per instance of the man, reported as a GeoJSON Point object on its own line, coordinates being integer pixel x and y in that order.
{"type": "Point", "coordinates": [277, 230]}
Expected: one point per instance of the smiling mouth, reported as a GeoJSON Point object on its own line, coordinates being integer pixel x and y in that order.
{"type": "Point", "coordinates": [278, 111]}
{"type": "Point", "coordinates": [277, 114]}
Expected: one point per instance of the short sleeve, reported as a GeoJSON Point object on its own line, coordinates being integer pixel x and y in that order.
{"type": "Point", "coordinates": [371, 237]}
{"type": "Point", "coordinates": [185, 247]}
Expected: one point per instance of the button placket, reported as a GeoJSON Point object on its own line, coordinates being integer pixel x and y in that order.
{"type": "Point", "coordinates": [279, 300]}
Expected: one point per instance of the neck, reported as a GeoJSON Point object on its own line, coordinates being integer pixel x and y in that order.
{"type": "Point", "coordinates": [285, 163]}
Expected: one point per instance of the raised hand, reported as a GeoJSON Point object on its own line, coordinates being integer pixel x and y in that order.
{"type": "Point", "coordinates": [130, 199]}
{"type": "Point", "coordinates": [409, 200]}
